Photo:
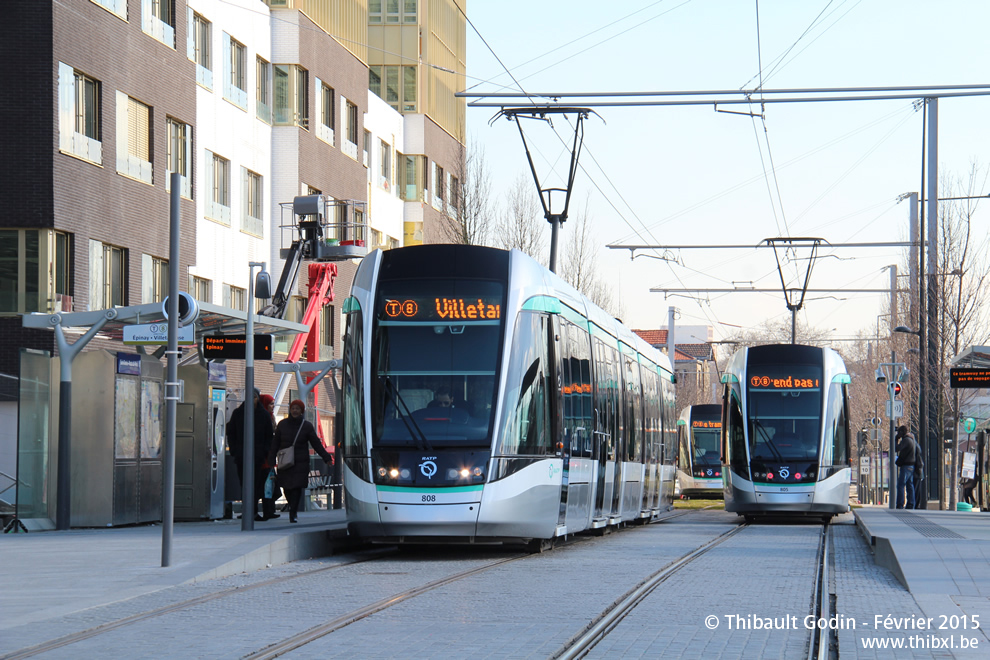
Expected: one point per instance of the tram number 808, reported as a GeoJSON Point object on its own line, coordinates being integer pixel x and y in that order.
{"type": "Point", "coordinates": [429, 498]}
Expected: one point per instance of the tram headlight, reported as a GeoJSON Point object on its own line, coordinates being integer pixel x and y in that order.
{"type": "Point", "coordinates": [452, 474]}
{"type": "Point", "coordinates": [404, 473]}
{"type": "Point", "coordinates": [394, 473]}
{"type": "Point", "coordinates": [382, 472]}
{"type": "Point", "coordinates": [477, 471]}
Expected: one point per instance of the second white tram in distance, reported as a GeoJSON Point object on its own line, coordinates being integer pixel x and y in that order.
{"type": "Point", "coordinates": [699, 441]}
{"type": "Point", "coordinates": [785, 432]}
{"type": "Point", "coordinates": [485, 400]}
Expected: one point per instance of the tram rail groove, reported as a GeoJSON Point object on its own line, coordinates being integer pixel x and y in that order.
{"type": "Point", "coordinates": [316, 632]}
{"type": "Point", "coordinates": [72, 638]}
{"type": "Point", "coordinates": [601, 627]}
{"type": "Point", "coordinates": [821, 637]}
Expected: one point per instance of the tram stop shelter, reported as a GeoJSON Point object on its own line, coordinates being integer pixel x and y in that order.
{"type": "Point", "coordinates": [43, 437]}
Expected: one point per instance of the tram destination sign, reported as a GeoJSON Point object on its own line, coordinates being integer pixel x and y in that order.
{"type": "Point", "coordinates": [969, 378]}
{"type": "Point", "coordinates": [234, 347]}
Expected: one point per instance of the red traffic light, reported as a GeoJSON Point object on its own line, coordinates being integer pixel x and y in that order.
{"type": "Point", "coordinates": [895, 388]}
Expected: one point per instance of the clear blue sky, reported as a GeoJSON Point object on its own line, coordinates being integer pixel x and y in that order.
{"type": "Point", "coordinates": [689, 175]}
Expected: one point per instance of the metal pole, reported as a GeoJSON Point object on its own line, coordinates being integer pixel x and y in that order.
{"type": "Point", "coordinates": [891, 477]}
{"type": "Point", "coordinates": [247, 483]}
{"type": "Point", "coordinates": [554, 227]}
{"type": "Point", "coordinates": [928, 330]}
{"type": "Point", "coordinates": [172, 371]}
{"type": "Point", "coordinates": [954, 462]}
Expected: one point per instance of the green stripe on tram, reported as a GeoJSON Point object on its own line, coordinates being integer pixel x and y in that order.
{"type": "Point", "coordinates": [842, 378]}
{"type": "Point", "coordinates": [542, 304]}
{"type": "Point", "coordinates": [435, 491]}
{"type": "Point", "coordinates": [351, 304]}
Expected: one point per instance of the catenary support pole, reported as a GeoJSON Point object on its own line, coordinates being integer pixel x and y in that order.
{"type": "Point", "coordinates": [171, 371]}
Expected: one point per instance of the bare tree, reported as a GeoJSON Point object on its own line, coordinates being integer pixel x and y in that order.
{"type": "Point", "coordinates": [474, 217]}
{"type": "Point", "coordinates": [580, 263]}
{"type": "Point", "coordinates": [522, 226]}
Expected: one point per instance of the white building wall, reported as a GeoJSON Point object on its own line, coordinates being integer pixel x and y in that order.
{"type": "Point", "coordinates": [237, 134]}
{"type": "Point", "coordinates": [385, 206]}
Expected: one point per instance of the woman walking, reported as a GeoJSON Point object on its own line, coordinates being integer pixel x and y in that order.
{"type": "Point", "coordinates": [294, 431]}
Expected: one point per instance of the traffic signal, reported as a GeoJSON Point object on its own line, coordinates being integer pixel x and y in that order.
{"type": "Point", "coordinates": [895, 388]}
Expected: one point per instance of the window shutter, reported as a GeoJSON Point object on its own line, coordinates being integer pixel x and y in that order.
{"type": "Point", "coordinates": [122, 131]}
{"type": "Point", "coordinates": [190, 35]}
{"type": "Point", "coordinates": [137, 130]}
{"type": "Point", "coordinates": [147, 279]}
{"type": "Point", "coordinates": [227, 68]}
{"type": "Point", "coordinates": [95, 275]}
{"type": "Point", "coordinates": [66, 106]}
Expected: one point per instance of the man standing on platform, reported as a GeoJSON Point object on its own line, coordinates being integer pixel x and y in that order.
{"type": "Point", "coordinates": [905, 467]}
{"type": "Point", "coordinates": [920, 496]}
{"type": "Point", "coordinates": [263, 433]}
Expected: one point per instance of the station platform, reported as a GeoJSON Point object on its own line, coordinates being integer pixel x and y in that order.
{"type": "Point", "coordinates": [54, 573]}
{"type": "Point", "coordinates": [931, 552]}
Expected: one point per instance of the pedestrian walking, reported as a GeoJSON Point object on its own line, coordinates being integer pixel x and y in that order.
{"type": "Point", "coordinates": [269, 489]}
{"type": "Point", "coordinates": [296, 432]}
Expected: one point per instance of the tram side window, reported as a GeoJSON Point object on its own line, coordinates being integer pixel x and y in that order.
{"type": "Point", "coordinates": [526, 421]}
{"type": "Point", "coordinates": [632, 393]}
{"type": "Point", "coordinates": [579, 359]}
{"type": "Point", "coordinates": [837, 427]}
{"type": "Point", "coordinates": [354, 444]}
{"type": "Point", "coordinates": [735, 434]}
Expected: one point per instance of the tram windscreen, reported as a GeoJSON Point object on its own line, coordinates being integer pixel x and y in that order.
{"type": "Point", "coordinates": [784, 410]}
{"type": "Point", "coordinates": [706, 447]}
{"type": "Point", "coordinates": [434, 358]}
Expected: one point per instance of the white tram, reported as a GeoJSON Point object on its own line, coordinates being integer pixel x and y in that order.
{"type": "Point", "coordinates": [699, 463]}
{"type": "Point", "coordinates": [785, 432]}
{"type": "Point", "coordinates": [485, 400]}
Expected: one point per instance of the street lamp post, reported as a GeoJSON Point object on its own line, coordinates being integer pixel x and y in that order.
{"type": "Point", "coordinates": [247, 485]}
{"type": "Point", "coordinates": [923, 440]}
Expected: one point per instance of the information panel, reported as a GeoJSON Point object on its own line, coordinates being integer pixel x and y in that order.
{"type": "Point", "coordinates": [234, 347]}
{"type": "Point", "coordinates": [968, 378]}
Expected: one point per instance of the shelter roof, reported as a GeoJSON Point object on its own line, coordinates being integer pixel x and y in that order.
{"type": "Point", "coordinates": [212, 320]}
{"type": "Point", "coordinates": [973, 356]}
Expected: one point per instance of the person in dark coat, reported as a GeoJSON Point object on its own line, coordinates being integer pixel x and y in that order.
{"type": "Point", "coordinates": [268, 503]}
{"type": "Point", "coordinates": [905, 467]}
{"type": "Point", "coordinates": [920, 496]}
{"type": "Point", "coordinates": [263, 430]}
{"type": "Point", "coordinates": [296, 431]}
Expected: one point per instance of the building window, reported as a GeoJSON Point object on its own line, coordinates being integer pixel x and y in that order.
{"type": "Point", "coordinates": [235, 71]}
{"type": "Point", "coordinates": [179, 155]}
{"type": "Point", "coordinates": [385, 172]}
{"type": "Point", "coordinates": [201, 289]}
{"type": "Point", "coordinates": [455, 194]}
{"type": "Point", "coordinates": [352, 125]}
{"type": "Point", "coordinates": [396, 11]}
{"type": "Point", "coordinates": [291, 95]}
{"type": "Point", "coordinates": [376, 238]}
{"type": "Point", "coordinates": [413, 178]}
{"type": "Point", "coordinates": [234, 297]}
{"type": "Point", "coordinates": [107, 276]}
{"type": "Point", "coordinates": [154, 279]}
{"type": "Point", "coordinates": [218, 182]}
{"type": "Point", "coordinates": [401, 97]}
{"type": "Point", "coordinates": [118, 7]}
{"type": "Point", "coordinates": [133, 138]}
{"type": "Point", "coordinates": [253, 200]}
{"type": "Point", "coordinates": [438, 187]}
{"type": "Point", "coordinates": [158, 20]}
{"type": "Point", "coordinates": [79, 114]}
{"type": "Point", "coordinates": [35, 271]}
{"type": "Point", "coordinates": [324, 128]}
{"type": "Point", "coordinates": [327, 325]}
{"type": "Point", "coordinates": [263, 90]}
{"type": "Point", "coordinates": [198, 47]}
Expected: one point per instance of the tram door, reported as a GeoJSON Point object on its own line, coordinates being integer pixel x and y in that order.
{"type": "Point", "coordinates": [561, 433]}
{"type": "Point", "coordinates": [601, 436]}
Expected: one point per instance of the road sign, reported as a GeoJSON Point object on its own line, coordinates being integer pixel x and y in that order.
{"type": "Point", "coordinates": [156, 333]}
{"type": "Point", "coordinates": [898, 409]}
{"type": "Point", "coordinates": [864, 465]}
{"type": "Point", "coordinates": [969, 425]}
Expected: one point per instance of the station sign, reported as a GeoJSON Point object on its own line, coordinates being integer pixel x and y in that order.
{"type": "Point", "coordinates": [156, 333]}
{"type": "Point", "coordinates": [969, 378]}
{"type": "Point", "coordinates": [234, 347]}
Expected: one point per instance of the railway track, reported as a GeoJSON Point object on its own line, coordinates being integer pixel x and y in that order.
{"type": "Point", "coordinates": [266, 589]}
{"type": "Point", "coordinates": [822, 643]}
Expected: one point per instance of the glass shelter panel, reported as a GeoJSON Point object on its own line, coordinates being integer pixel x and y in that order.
{"type": "Point", "coordinates": [33, 428]}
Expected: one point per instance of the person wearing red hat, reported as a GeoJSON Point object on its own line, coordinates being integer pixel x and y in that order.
{"type": "Point", "coordinates": [296, 432]}
{"type": "Point", "coordinates": [267, 402]}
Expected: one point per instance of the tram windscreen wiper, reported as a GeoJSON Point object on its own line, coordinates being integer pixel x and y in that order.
{"type": "Point", "coordinates": [422, 443]}
{"type": "Point", "coordinates": [768, 441]}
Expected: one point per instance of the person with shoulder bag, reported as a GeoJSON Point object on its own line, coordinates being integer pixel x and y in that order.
{"type": "Point", "coordinates": [294, 435]}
